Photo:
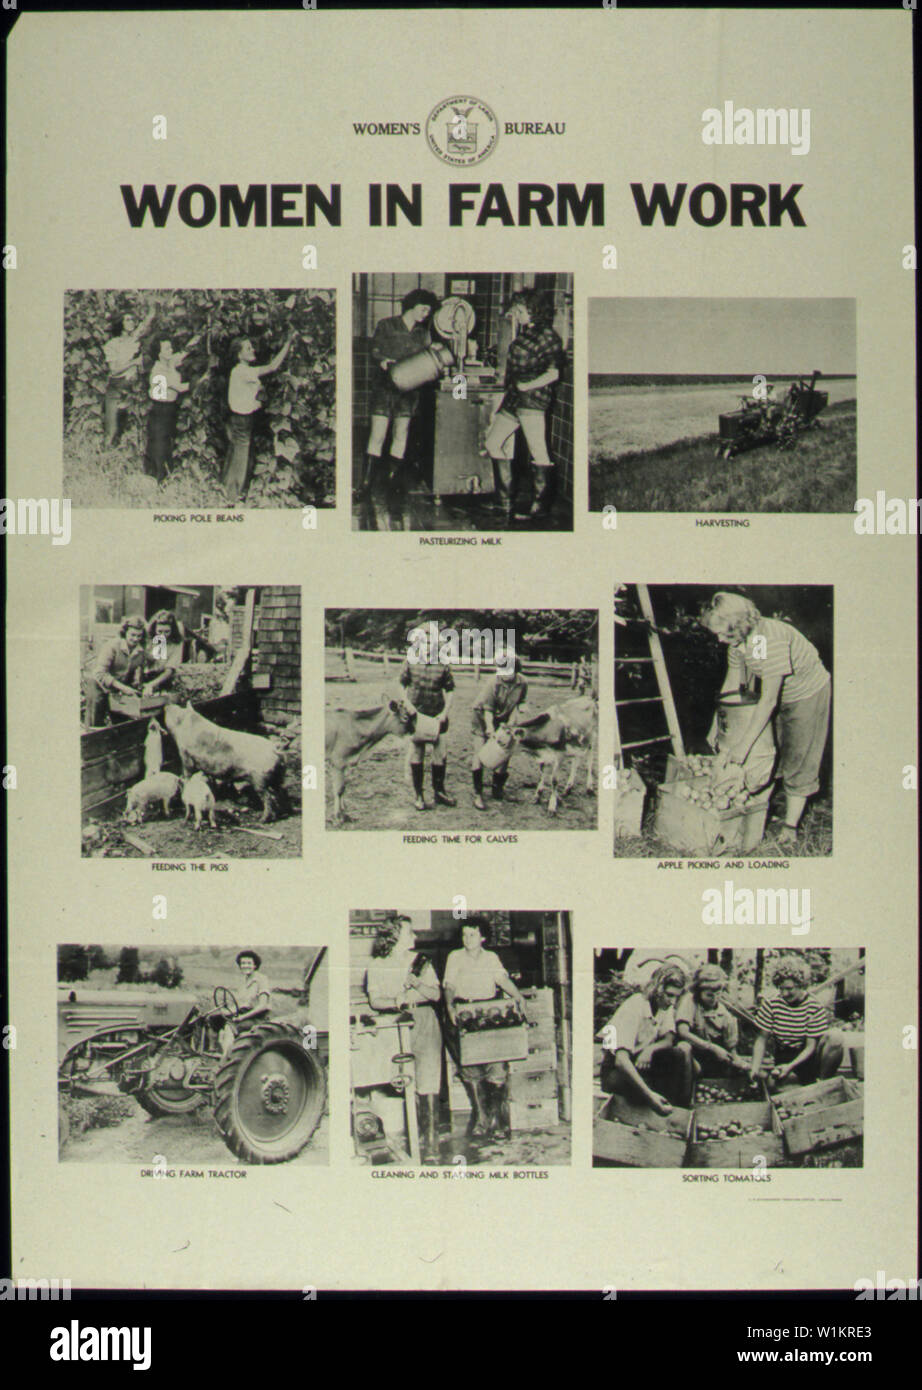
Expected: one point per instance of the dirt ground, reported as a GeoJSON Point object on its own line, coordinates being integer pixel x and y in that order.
{"type": "Point", "coordinates": [172, 838]}
{"type": "Point", "coordinates": [379, 793]}
{"type": "Point", "coordinates": [182, 1139]}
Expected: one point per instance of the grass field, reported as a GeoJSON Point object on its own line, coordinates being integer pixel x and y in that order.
{"type": "Point", "coordinates": [814, 840]}
{"type": "Point", "coordinates": [379, 795]}
{"type": "Point", "coordinates": [651, 448]}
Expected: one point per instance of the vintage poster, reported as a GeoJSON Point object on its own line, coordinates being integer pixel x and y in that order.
{"type": "Point", "coordinates": [461, 765]}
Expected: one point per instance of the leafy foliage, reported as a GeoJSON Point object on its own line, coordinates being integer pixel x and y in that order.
{"type": "Point", "coordinates": [294, 439]}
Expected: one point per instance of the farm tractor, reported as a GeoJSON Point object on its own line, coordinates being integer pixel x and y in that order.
{"type": "Point", "coordinates": [267, 1089]}
{"type": "Point", "coordinates": [762, 420]}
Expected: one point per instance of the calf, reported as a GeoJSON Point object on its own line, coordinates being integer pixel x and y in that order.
{"type": "Point", "coordinates": [350, 732]}
{"type": "Point", "coordinates": [569, 728]}
{"type": "Point", "coordinates": [227, 755]}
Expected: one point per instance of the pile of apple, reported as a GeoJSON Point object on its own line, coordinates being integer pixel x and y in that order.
{"type": "Point", "coordinates": [705, 790]}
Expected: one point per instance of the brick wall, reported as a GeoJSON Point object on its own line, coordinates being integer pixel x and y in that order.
{"type": "Point", "coordinates": [277, 642]}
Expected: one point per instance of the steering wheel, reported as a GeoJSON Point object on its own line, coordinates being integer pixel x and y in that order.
{"type": "Point", "coordinates": [224, 1000]}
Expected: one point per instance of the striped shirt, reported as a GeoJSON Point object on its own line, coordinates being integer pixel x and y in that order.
{"type": "Point", "coordinates": [774, 649]}
{"type": "Point", "coordinates": [792, 1024]}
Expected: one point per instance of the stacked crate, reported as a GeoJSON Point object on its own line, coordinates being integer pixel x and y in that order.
{"type": "Point", "coordinates": [533, 1085]}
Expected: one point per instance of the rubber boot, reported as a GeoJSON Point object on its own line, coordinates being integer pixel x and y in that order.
{"type": "Point", "coordinates": [438, 786]}
{"type": "Point", "coordinates": [475, 1122]}
{"type": "Point", "coordinates": [498, 785]}
{"type": "Point", "coordinates": [541, 506]}
{"type": "Point", "coordinates": [428, 1133]}
{"type": "Point", "coordinates": [416, 772]}
{"type": "Point", "coordinates": [368, 472]}
{"type": "Point", "coordinates": [490, 1107]}
{"type": "Point", "coordinates": [477, 779]}
{"type": "Point", "coordinates": [503, 1118]}
{"type": "Point", "coordinates": [481, 1126]}
{"type": "Point", "coordinates": [502, 477]}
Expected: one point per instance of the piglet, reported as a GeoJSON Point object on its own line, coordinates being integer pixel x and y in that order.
{"type": "Point", "coordinates": [162, 787]}
{"type": "Point", "coordinates": [153, 749]}
{"type": "Point", "coordinates": [197, 796]}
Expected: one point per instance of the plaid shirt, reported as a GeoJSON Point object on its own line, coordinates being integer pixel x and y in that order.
{"type": "Point", "coordinates": [425, 685]}
{"type": "Point", "coordinates": [533, 352]}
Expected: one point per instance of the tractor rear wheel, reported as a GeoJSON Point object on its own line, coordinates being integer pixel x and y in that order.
{"type": "Point", "coordinates": [269, 1094]}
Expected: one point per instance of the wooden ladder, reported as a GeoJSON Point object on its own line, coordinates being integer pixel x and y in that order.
{"type": "Point", "coordinates": [664, 698]}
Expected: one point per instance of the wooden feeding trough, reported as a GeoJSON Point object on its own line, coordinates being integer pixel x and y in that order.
{"type": "Point", "coordinates": [634, 1136]}
{"type": "Point", "coordinates": [818, 1116]}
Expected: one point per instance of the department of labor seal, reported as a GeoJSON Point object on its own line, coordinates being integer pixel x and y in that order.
{"type": "Point", "coordinates": [462, 131]}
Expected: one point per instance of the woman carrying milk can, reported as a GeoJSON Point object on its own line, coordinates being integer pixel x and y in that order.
{"type": "Point", "coordinates": [795, 693]}
{"type": "Point", "coordinates": [394, 339]}
{"type": "Point", "coordinates": [492, 711]}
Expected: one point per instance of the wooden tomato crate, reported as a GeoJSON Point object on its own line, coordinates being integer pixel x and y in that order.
{"type": "Point", "coordinates": [818, 1116]}
{"type": "Point", "coordinates": [634, 1136]}
{"type": "Point", "coordinates": [737, 1151]}
{"type": "Point", "coordinates": [539, 1004]}
{"type": "Point", "coordinates": [533, 1114]}
{"type": "Point", "coordinates": [687, 826]}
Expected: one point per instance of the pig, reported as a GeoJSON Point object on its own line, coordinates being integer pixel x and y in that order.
{"type": "Point", "coordinates": [162, 787]}
{"type": "Point", "coordinates": [153, 749]}
{"type": "Point", "coordinates": [197, 796]}
{"type": "Point", "coordinates": [227, 755]}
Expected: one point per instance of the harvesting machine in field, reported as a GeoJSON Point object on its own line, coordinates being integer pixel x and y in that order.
{"type": "Point", "coordinates": [762, 420]}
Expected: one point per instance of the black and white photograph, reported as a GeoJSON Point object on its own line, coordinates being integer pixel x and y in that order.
{"type": "Point", "coordinates": [723, 720]}
{"type": "Point", "coordinates": [729, 1058]}
{"type": "Point", "coordinates": [171, 1056]}
{"type": "Point", "coordinates": [190, 713]}
{"type": "Point", "coordinates": [462, 408]}
{"type": "Point", "coordinates": [722, 405]}
{"type": "Point", "coordinates": [200, 398]}
{"type": "Point", "coordinates": [461, 720]}
{"type": "Point", "coordinates": [460, 1037]}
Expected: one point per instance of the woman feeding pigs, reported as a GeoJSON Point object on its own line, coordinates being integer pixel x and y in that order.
{"type": "Point", "coordinates": [125, 665]}
{"type": "Point", "coordinates": [795, 694]}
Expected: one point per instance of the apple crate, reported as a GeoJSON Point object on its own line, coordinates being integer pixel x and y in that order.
{"type": "Point", "coordinates": [818, 1116]}
{"type": "Point", "coordinates": [739, 1150]}
{"type": "Point", "coordinates": [634, 1136]}
{"type": "Point", "coordinates": [533, 1114]}
{"type": "Point", "coordinates": [697, 830]}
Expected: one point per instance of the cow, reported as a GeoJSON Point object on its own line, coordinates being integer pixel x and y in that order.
{"type": "Point", "coordinates": [228, 756]}
{"type": "Point", "coordinates": [569, 728]}
{"type": "Point", "coordinates": [350, 732]}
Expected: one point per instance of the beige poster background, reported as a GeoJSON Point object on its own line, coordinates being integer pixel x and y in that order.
{"type": "Point", "coordinates": [271, 98]}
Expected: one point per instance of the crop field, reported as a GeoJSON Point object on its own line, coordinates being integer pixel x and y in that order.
{"type": "Point", "coordinates": [379, 794]}
{"type": "Point", "coordinates": [651, 448]}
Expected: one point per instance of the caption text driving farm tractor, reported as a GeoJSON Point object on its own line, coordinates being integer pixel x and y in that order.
{"type": "Point", "coordinates": [267, 1089]}
{"type": "Point", "coordinates": [761, 420]}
